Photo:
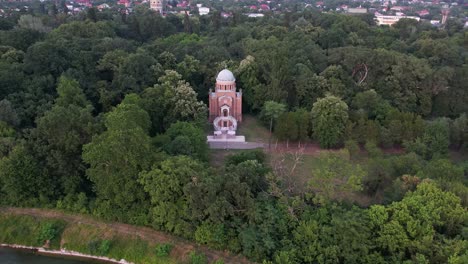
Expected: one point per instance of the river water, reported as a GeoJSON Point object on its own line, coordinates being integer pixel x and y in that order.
{"type": "Point", "coordinates": [13, 256]}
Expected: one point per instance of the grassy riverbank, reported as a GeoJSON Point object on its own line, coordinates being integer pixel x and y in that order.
{"type": "Point", "coordinates": [95, 238]}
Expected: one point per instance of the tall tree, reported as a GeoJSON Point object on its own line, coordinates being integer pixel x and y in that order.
{"type": "Point", "coordinates": [272, 111]}
{"type": "Point", "coordinates": [61, 134]}
{"type": "Point", "coordinates": [23, 181]}
{"type": "Point", "coordinates": [329, 118]}
{"type": "Point", "coordinates": [116, 157]}
{"type": "Point", "coordinates": [166, 185]}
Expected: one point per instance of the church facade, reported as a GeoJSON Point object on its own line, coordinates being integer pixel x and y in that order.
{"type": "Point", "coordinates": [225, 104]}
{"type": "Point", "coordinates": [157, 5]}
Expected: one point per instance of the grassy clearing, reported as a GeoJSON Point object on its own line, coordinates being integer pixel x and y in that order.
{"type": "Point", "coordinates": [297, 171]}
{"type": "Point", "coordinates": [29, 231]}
{"type": "Point", "coordinates": [297, 167]}
{"type": "Point", "coordinates": [253, 130]}
{"type": "Point", "coordinates": [92, 240]}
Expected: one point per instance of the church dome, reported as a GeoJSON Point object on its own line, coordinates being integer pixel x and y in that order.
{"type": "Point", "coordinates": [226, 76]}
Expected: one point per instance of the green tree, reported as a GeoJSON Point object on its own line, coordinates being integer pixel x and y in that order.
{"type": "Point", "coordinates": [272, 111]}
{"type": "Point", "coordinates": [287, 127]}
{"type": "Point", "coordinates": [415, 225]}
{"type": "Point", "coordinates": [173, 100]}
{"type": "Point", "coordinates": [334, 174]}
{"type": "Point", "coordinates": [434, 142]}
{"type": "Point", "coordinates": [186, 139]}
{"type": "Point", "coordinates": [116, 157]}
{"type": "Point", "coordinates": [8, 113]}
{"type": "Point", "coordinates": [165, 184]}
{"type": "Point", "coordinates": [61, 134]}
{"type": "Point", "coordinates": [329, 117]}
{"type": "Point", "coordinates": [24, 182]}
{"type": "Point", "coordinates": [458, 131]}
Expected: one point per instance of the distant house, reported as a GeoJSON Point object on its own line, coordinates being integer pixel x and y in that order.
{"type": "Point", "coordinates": [125, 3]}
{"type": "Point", "coordinates": [390, 20]}
{"type": "Point", "coordinates": [226, 15]}
{"type": "Point", "coordinates": [264, 7]}
{"type": "Point", "coordinates": [423, 12]}
{"type": "Point", "coordinates": [103, 6]}
{"type": "Point", "coordinates": [255, 15]}
{"type": "Point", "coordinates": [203, 11]}
{"type": "Point", "coordinates": [399, 8]}
{"type": "Point", "coordinates": [358, 10]}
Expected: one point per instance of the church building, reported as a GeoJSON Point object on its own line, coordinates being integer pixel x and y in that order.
{"type": "Point", "coordinates": [225, 104]}
{"type": "Point", "coordinates": [157, 5]}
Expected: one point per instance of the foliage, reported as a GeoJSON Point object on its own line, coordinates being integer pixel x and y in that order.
{"type": "Point", "coordinates": [48, 231]}
{"type": "Point", "coordinates": [165, 185]}
{"type": "Point", "coordinates": [30, 231]}
{"type": "Point", "coordinates": [197, 258]}
{"type": "Point", "coordinates": [329, 117]}
{"type": "Point", "coordinates": [413, 224]}
{"type": "Point", "coordinates": [186, 139]}
{"type": "Point", "coordinates": [99, 247]}
{"type": "Point", "coordinates": [116, 157]}
{"type": "Point", "coordinates": [163, 250]}
{"type": "Point", "coordinates": [103, 112]}
{"type": "Point", "coordinates": [335, 174]}
{"type": "Point", "coordinates": [434, 142]}
{"type": "Point", "coordinates": [245, 155]}
{"type": "Point", "coordinates": [23, 180]}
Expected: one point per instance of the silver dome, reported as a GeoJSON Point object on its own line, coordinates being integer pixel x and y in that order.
{"type": "Point", "coordinates": [226, 76]}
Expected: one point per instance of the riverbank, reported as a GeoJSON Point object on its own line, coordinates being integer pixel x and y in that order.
{"type": "Point", "coordinates": [82, 234]}
{"type": "Point", "coordinates": [65, 253]}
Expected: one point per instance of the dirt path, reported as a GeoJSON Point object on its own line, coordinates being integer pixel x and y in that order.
{"type": "Point", "coordinates": [181, 246]}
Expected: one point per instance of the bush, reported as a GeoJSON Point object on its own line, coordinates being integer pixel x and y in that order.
{"type": "Point", "coordinates": [197, 258]}
{"type": "Point", "coordinates": [352, 147]}
{"type": "Point", "coordinates": [163, 250]}
{"type": "Point", "coordinates": [93, 246]}
{"type": "Point", "coordinates": [372, 149]}
{"type": "Point", "coordinates": [99, 247]}
{"type": "Point", "coordinates": [48, 231]}
{"type": "Point", "coordinates": [212, 235]}
{"type": "Point", "coordinates": [235, 159]}
{"type": "Point", "coordinates": [104, 247]}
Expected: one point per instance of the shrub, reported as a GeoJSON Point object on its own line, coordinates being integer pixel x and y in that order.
{"type": "Point", "coordinates": [99, 247]}
{"type": "Point", "coordinates": [372, 149]}
{"type": "Point", "coordinates": [163, 250]}
{"type": "Point", "coordinates": [48, 231]}
{"type": "Point", "coordinates": [104, 247]}
{"type": "Point", "coordinates": [210, 234]}
{"type": "Point", "coordinates": [235, 159]}
{"type": "Point", "coordinates": [93, 246]}
{"type": "Point", "coordinates": [197, 258]}
{"type": "Point", "coordinates": [352, 147]}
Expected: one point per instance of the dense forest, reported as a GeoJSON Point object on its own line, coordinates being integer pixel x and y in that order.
{"type": "Point", "coordinates": [105, 113]}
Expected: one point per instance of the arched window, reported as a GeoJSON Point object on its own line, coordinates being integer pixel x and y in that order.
{"type": "Point", "coordinates": [225, 112]}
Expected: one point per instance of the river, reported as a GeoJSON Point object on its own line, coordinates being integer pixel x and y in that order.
{"type": "Point", "coordinates": [13, 256]}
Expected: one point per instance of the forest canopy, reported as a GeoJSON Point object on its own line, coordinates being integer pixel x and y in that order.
{"type": "Point", "coordinates": [104, 113]}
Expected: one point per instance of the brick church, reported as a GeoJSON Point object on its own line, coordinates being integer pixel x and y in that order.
{"type": "Point", "coordinates": [225, 104]}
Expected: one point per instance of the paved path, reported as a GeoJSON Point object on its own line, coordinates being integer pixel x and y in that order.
{"type": "Point", "coordinates": [235, 145]}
